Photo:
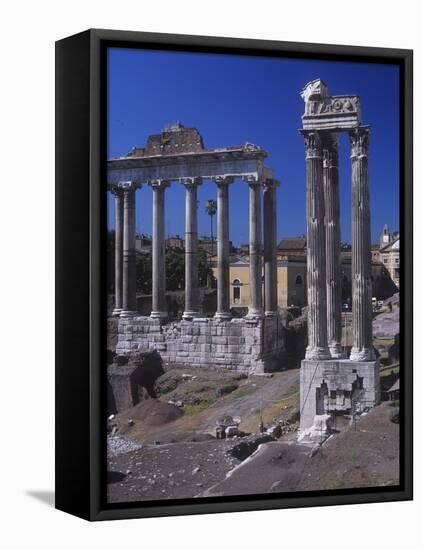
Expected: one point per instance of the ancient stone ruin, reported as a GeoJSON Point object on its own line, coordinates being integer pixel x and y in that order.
{"type": "Point", "coordinates": [330, 382]}
{"type": "Point", "coordinates": [252, 343]}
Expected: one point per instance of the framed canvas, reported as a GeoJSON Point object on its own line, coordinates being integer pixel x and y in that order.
{"type": "Point", "coordinates": [229, 329]}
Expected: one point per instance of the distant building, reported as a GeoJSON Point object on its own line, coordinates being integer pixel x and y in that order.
{"type": "Point", "coordinates": [390, 258]}
{"type": "Point", "coordinates": [388, 253]}
{"type": "Point", "coordinates": [292, 246]}
{"type": "Point", "coordinates": [175, 242]}
{"type": "Point", "coordinates": [210, 245]}
{"type": "Point", "coordinates": [291, 274]}
{"type": "Point", "coordinates": [143, 243]}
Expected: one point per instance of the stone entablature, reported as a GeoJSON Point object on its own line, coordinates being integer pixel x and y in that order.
{"type": "Point", "coordinates": [250, 345]}
{"type": "Point", "coordinates": [325, 112]}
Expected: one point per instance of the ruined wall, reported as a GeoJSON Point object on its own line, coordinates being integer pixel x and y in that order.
{"type": "Point", "coordinates": [251, 345]}
{"type": "Point", "coordinates": [332, 385]}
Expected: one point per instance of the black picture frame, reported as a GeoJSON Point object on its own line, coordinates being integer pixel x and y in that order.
{"type": "Point", "coordinates": [80, 254]}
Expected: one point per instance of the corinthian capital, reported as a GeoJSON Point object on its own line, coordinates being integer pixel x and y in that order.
{"type": "Point", "coordinates": [359, 139]}
{"type": "Point", "coordinates": [313, 144]}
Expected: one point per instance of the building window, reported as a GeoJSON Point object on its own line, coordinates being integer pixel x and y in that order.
{"type": "Point", "coordinates": [385, 260]}
{"type": "Point", "coordinates": [236, 291]}
{"type": "Point", "coordinates": [397, 260]}
{"type": "Point", "coordinates": [299, 280]}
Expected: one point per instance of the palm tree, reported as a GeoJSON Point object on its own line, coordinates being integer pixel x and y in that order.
{"type": "Point", "coordinates": [211, 209]}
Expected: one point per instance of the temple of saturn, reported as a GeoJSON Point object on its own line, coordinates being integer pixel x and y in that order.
{"type": "Point", "coordinates": [254, 343]}
{"type": "Point", "coordinates": [331, 383]}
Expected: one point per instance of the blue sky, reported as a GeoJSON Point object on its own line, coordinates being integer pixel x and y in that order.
{"type": "Point", "coordinates": [233, 99]}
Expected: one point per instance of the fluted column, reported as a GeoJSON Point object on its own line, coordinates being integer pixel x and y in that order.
{"type": "Point", "coordinates": [316, 258]}
{"type": "Point", "coordinates": [256, 295]}
{"type": "Point", "coordinates": [159, 305]}
{"type": "Point", "coordinates": [129, 299]}
{"type": "Point", "coordinates": [362, 348]}
{"type": "Point", "coordinates": [223, 309]}
{"type": "Point", "coordinates": [270, 258]}
{"type": "Point", "coordinates": [118, 193]}
{"type": "Point", "coordinates": [333, 244]}
{"type": "Point", "coordinates": [191, 248]}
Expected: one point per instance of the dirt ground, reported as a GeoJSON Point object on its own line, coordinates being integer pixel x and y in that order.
{"type": "Point", "coordinates": [182, 459]}
{"type": "Point", "coordinates": [363, 455]}
{"type": "Point", "coordinates": [255, 398]}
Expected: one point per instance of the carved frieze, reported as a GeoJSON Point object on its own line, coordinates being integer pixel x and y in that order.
{"type": "Point", "coordinates": [325, 112]}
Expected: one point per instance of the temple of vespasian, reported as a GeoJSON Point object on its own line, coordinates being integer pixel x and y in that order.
{"type": "Point", "coordinates": [329, 382]}
{"type": "Point", "coordinates": [253, 343]}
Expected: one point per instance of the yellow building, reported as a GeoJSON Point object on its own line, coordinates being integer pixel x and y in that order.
{"type": "Point", "coordinates": [390, 258]}
{"type": "Point", "coordinates": [292, 286]}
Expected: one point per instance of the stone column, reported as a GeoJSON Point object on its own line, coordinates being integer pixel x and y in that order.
{"type": "Point", "coordinates": [362, 348]}
{"type": "Point", "coordinates": [191, 248]}
{"type": "Point", "coordinates": [256, 298]}
{"type": "Point", "coordinates": [316, 258]}
{"type": "Point", "coordinates": [118, 193]}
{"type": "Point", "coordinates": [223, 309]}
{"type": "Point", "coordinates": [129, 299]}
{"type": "Point", "coordinates": [270, 257]}
{"type": "Point", "coordinates": [159, 305]}
{"type": "Point", "coordinates": [333, 244]}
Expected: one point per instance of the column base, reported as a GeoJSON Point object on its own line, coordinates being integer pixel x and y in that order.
{"type": "Point", "coordinates": [271, 313]}
{"type": "Point", "coordinates": [336, 351]}
{"type": "Point", "coordinates": [189, 315]}
{"type": "Point", "coordinates": [223, 315]}
{"type": "Point", "coordinates": [117, 311]}
{"type": "Point", "coordinates": [254, 313]}
{"type": "Point", "coordinates": [127, 313]}
{"type": "Point", "coordinates": [364, 354]}
{"type": "Point", "coordinates": [317, 354]}
{"type": "Point", "coordinates": [159, 315]}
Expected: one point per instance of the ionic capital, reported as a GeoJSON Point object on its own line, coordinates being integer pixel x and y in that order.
{"type": "Point", "coordinates": [129, 186]}
{"type": "Point", "coordinates": [159, 184]}
{"type": "Point", "coordinates": [116, 190]}
{"type": "Point", "coordinates": [191, 182]}
{"type": "Point", "coordinates": [253, 180]}
{"type": "Point", "coordinates": [359, 139]}
{"type": "Point", "coordinates": [271, 183]}
{"type": "Point", "coordinates": [223, 180]}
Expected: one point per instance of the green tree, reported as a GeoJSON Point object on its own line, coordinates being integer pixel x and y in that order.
{"type": "Point", "coordinates": [211, 209]}
{"type": "Point", "coordinates": [175, 268]}
{"type": "Point", "coordinates": [143, 273]}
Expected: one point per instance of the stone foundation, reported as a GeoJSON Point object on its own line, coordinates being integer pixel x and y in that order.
{"type": "Point", "coordinates": [337, 386]}
{"type": "Point", "coordinates": [249, 345]}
